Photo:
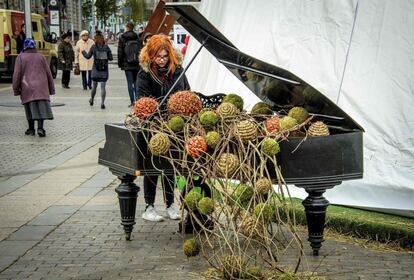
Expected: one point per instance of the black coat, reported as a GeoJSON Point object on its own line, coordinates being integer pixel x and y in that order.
{"type": "Point", "coordinates": [99, 75]}
{"type": "Point", "coordinates": [122, 62]}
{"type": "Point", "coordinates": [66, 54]}
{"type": "Point", "coordinates": [148, 86]}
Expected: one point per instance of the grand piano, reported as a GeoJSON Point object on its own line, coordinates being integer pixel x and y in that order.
{"type": "Point", "coordinates": [317, 164]}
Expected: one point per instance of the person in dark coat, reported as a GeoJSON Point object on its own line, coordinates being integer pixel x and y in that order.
{"type": "Point", "coordinates": [127, 42]}
{"type": "Point", "coordinates": [20, 37]}
{"type": "Point", "coordinates": [66, 57]}
{"type": "Point", "coordinates": [101, 54]}
{"type": "Point", "coordinates": [33, 82]}
{"type": "Point", "coordinates": [160, 68]}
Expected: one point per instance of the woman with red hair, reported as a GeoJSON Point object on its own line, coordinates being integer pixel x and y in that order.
{"type": "Point", "coordinates": [160, 69]}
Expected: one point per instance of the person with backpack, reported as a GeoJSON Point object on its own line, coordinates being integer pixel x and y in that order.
{"type": "Point", "coordinates": [129, 47]}
{"type": "Point", "coordinates": [101, 54]}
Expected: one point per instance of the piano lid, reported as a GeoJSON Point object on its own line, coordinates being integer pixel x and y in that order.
{"type": "Point", "coordinates": [273, 85]}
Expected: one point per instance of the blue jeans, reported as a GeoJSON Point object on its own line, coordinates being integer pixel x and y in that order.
{"type": "Point", "coordinates": [131, 76]}
{"type": "Point", "coordinates": [86, 82]}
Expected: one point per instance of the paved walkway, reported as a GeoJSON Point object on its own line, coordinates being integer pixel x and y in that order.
{"type": "Point", "coordinates": [59, 216]}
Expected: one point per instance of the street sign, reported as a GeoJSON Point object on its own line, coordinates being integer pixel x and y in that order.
{"type": "Point", "coordinates": [53, 2]}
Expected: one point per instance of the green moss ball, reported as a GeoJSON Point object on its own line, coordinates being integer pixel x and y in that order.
{"type": "Point", "coordinates": [287, 123]}
{"type": "Point", "coordinates": [191, 199]}
{"type": "Point", "coordinates": [254, 273]}
{"type": "Point", "coordinates": [235, 99]}
{"type": "Point", "coordinates": [298, 113]}
{"type": "Point", "coordinates": [212, 139]}
{"type": "Point", "coordinates": [243, 193]}
{"type": "Point", "coordinates": [263, 211]}
{"type": "Point", "coordinates": [270, 147]}
{"type": "Point", "coordinates": [205, 206]}
{"type": "Point", "coordinates": [176, 123]}
{"type": "Point", "coordinates": [191, 247]}
{"type": "Point", "coordinates": [262, 108]}
{"type": "Point", "coordinates": [209, 118]}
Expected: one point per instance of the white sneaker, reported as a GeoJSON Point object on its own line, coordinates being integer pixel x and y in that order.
{"type": "Point", "coordinates": [172, 213]}
{"type": "Point", "coordinates": [151, 215]}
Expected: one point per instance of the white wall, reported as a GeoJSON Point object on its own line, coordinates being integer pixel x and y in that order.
{"type": "Point", "coordinates": [360, 54]}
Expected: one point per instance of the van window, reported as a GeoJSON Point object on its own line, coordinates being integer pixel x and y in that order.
{"type": "Point", "coordinates": [34, 26]}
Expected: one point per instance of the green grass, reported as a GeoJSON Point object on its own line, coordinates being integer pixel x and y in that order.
{"type": "Point", "coordinates": [366, 224]}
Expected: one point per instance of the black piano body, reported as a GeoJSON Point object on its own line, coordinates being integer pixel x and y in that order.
{"type": "Point", "coordinates": [315, 164]}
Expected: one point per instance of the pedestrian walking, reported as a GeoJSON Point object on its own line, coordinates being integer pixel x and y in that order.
{"type": "Point", "coordinates": [85, 65]}
{"type": "Point", "coordinates": [20, 37]}
{"type": "Point", "coordinates": [129, 46]}
{"type": "Point", "coordinates": [33, 82]}
{"type": "Point", "coordinates": [100, 74]}
{"type": "Point", "coordinates": [160, 69]}
{"type": "Point", "coordinates": [66, 57]}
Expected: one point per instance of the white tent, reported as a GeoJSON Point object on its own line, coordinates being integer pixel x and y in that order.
{"type": "Point", "coordinates": [360, 54]}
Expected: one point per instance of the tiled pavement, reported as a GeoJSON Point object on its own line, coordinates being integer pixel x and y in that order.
{"type": "Point", "coordinates": [59, 217]}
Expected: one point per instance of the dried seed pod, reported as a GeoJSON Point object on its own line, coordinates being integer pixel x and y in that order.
{"type": "Point", "coordinates": [246, 130]}
{"type": "Point", "coordinates": [159, 144]}
{"type": "Point", "coordinates": [184, 103]}
{"type": "Point", "coordinates": [232, 267]}
{"type": "Point", "coordinates": [144, 107]}
{"type": "Point", "coordinates": [318, 129]}
{"type": "Point", "coordinates": [191, 247]}
{"type": "Point", "coordinates": [251, 226]}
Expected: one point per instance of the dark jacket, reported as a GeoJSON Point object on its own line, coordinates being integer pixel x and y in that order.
{"type": "Point", "coordinates": [32, 79]}
{"type": "Point", "coordinates": [66, 55]}
{"type": "Point", "coordinates": [122, 62]}
{"type": "Point", "coordinates": [99, 75]}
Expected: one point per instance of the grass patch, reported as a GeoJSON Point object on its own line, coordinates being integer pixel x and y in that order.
{"type": "Point", "coordinates": [384, 228]}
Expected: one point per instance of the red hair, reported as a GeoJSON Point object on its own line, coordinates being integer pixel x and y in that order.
{"type": "Point", "coordinates": [157, 43]}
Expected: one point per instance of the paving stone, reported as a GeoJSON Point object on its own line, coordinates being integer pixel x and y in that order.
{"type": "Point", "coordinates": [27, 233]}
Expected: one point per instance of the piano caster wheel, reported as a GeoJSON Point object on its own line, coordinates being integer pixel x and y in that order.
{"type": "Point", "coordinates": [128, 236]}
{"type": "Point", "coordinates": [316, 252]}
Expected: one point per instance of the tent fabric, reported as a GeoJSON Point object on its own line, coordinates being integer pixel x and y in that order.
{"type": "Point", "coordinates": [360, 54]}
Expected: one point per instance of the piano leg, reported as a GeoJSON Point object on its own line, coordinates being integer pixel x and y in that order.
{"type": "Point", "coordinates": [315, 208]}
{"type": "Point", "coordinates": [127, 195]}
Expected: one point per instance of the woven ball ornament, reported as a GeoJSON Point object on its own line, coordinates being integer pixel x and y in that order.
{"type": "Point", "coordinates": [232, 267]}
{"type": "Point", "coordinates": [246, 130]}
{"type": "Point", "coordinates": [144, 107]}
{"type": "Point", "coordinates": [318, 129]}
{"type": "Point", "coordinates": [209, 118]}
{"type": "Point", "coordinates": [184, 103]}
{"type": "Point", "coordinates": [263, 211]}
{"type": "Point", "coordinates": [272, 124]}
{"type": "Point", "coordinates": [250, 226]}
{"type": "Point", "coordinates": [227, 164]}
{"type": "Point", "coordinates": [227, 109]}
{"type": "Point", "coordinates": [263, 186]}
{"type": "Point", "coordinates": [196, 146]}
{"type": "Point", "coordinates": [205, 206]}
{"type": "Point", "coordinates": [159, 144]}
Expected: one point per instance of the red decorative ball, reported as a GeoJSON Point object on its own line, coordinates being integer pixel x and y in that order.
{"type": "Point", "coordinates": [273, 124]}
{"type": "Point", "coordinates": [185, 103]}
{"type": "Point", "coordinates": [144, 107]}
{"type": "Point", "coordinates": [196, 146]}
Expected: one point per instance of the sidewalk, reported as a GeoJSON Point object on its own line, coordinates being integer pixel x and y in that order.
{"type": "Point", "coordinates": [59, 214]}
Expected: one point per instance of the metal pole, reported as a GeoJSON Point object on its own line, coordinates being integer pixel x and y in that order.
{"type": "Point", "coordinates": [71, 28]}
{"type": "Point", "coordinates": [80, 15]}
{"type": "Point", "coordinates": [28, 18]}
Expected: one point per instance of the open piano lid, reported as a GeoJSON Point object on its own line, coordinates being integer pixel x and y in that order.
{"type": "Point", "coordinates": [273, 85]}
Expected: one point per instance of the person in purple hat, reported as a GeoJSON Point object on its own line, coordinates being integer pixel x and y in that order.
{"type": "Point", "coordinates": [33, 82]}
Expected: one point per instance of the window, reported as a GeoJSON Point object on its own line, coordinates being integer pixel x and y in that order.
{"type": "Point", "coordinates": [34, 27]}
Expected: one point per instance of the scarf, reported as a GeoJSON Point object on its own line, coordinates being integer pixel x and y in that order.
{"type": "Point", "coordinates": [160, 75]}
